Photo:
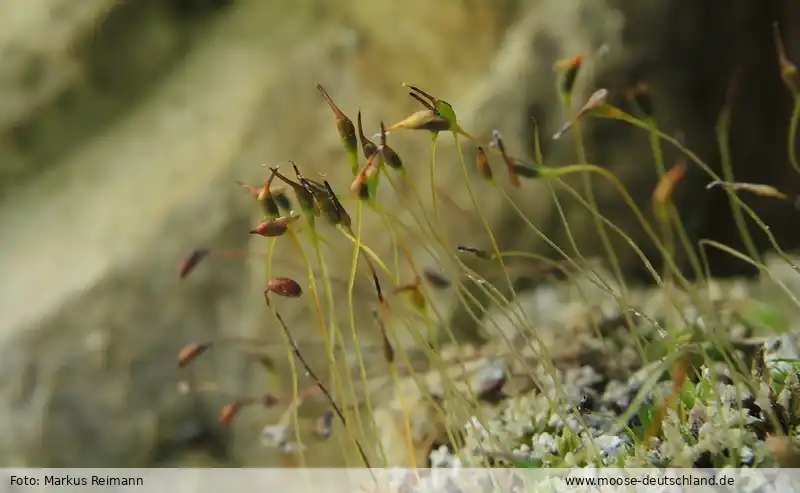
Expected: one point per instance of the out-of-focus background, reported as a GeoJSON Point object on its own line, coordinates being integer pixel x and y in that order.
{"type": "Point", "coordinates": [125, 124]}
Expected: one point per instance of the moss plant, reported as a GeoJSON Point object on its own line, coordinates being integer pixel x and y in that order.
{"type": "Point", "coordinates": [686, 390]}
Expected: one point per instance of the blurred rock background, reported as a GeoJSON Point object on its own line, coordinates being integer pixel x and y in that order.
{"type": "Point", "coordinates": [125, 124]}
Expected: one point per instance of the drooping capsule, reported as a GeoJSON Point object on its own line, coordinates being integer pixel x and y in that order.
{"type": "Point", "coordinates": [271, 228]}
{"type": "Point", "coordinates": [390, 157]}
{"type": "Point", "coordinates": [571, 68]}
{"type": "Point", "coordinates": [284, 286]}
{"type": "Point", "coordinates": [482, 163]}
{"type": "Point", "coordinates": [191, 261]}
{"type": "Point", "coordinates": [228, 412]}
{"type": "Point", "coordinates": [190, 352]}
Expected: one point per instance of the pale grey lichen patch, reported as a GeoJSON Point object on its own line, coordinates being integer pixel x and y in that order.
{"type": "Point", "coordinates": [719, 418]}
{"type": "Point", "coordinates": [596, 392]}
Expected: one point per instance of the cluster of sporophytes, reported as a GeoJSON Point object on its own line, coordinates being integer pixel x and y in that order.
{"type": "Point", "coordinates": [294, 205]}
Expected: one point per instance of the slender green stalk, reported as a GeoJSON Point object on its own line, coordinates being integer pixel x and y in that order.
{"type": "Point", "coordinates": [351, 310]}
{"type": "Point", "coordinates": [500, 299]}
{"type": "Point", "coordinates": [587, 184]}
{"type": "Point", "coordinates": [723, 138]}
{"type": "Point", "coordinates": [620, 115]}
{"type": "Point", "coordinates": [290, 357]}
{"type": "Point", "coordinates": [336, 337]}
{"type": "Point", "coordinates": [338, 387]}
{"type": "Point", "coordinates": [794, 123]}
{"type": "Point", "coordinates": [658, 156]}
{"type": "Point", "coordinates": [590, 168]}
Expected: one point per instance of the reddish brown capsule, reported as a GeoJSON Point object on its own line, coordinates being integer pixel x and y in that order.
{"type": "Point", "coordinates": [390, 157]}
{"type": "Point", "coordinates": [347, 131]}
{"type": "Point", "coordinates": [571, 68]}
{"type": "Point", "coordinates": [304, 196]}
{"type": "Point", "coordinates": [190, 352]}
{"type": "Point", "coordinates": [367, 146]}
{"type": "Point", "coordinates": [283, 286]}
{"type": "Point", "coordinates": [513, 177]}
{"type": "Point", "coordinates": [667, 184]}
{"type": "Point", "coordinates": [342, 212]}
{"type": "Point", "coordinates": [229, 412]}
{"type": "Point", "coordinates": [483, 164]}
{"type": "Point", "coordinates": [191, 261]}
{"type": "Point", "coordinates": [359, 183]}
{"type": "Point", "coordinates": [272, 228]}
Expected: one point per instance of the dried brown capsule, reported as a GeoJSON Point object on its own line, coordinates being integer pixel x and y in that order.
{"type": "Point", "coordinates": [191, 261]}
{"type": "Point", "coordinates": [275, 227]}
{"type": "Point", "coordinates": [303, 194]}
{"type": "Point", "coordinates": [667, 184]}
{"type": "Point", "coordinates": [390, 157]}
{"type": "Point", "coordinates": [388, 350]}
{"type": "Point", "coordinates": [271, 228]}
{"type": "Point", "coordinates": [340, 215]}
{"type": "Point", "coordinates": [497, 141]}
{"type": "Point", "coordinates": [367, 146]}
{"type": "Point", "coordinates": [347, 131]}
{"type": "Point", "coordinates": [286, 287]}
{"type": "Point", "coordinates": [265, 196]}
{"type": "Point", "coordinates": [228, 412]}
{"type": "Point", "coordinates": [360, 183]}
{"type": "Point", "coordinates": [268, 203]}
{"type": "Point", "coordinates": [482, 161]}
{"type": "Point", "coordinates": [329, 208]}
{"type": "Point", "coordinates": [571, 68]}
{"type": "Point", "coordinates": [190, 352]}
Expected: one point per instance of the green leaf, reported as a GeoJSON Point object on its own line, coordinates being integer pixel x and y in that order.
{"type": "Point", "coordinates": [528, 464]}
{"type": "Point", "coordinates": [647, 415]}
{"type": "Point", "coordinates": [688, 396]}
{"type": "Point", "coordinates": [764, 317]}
